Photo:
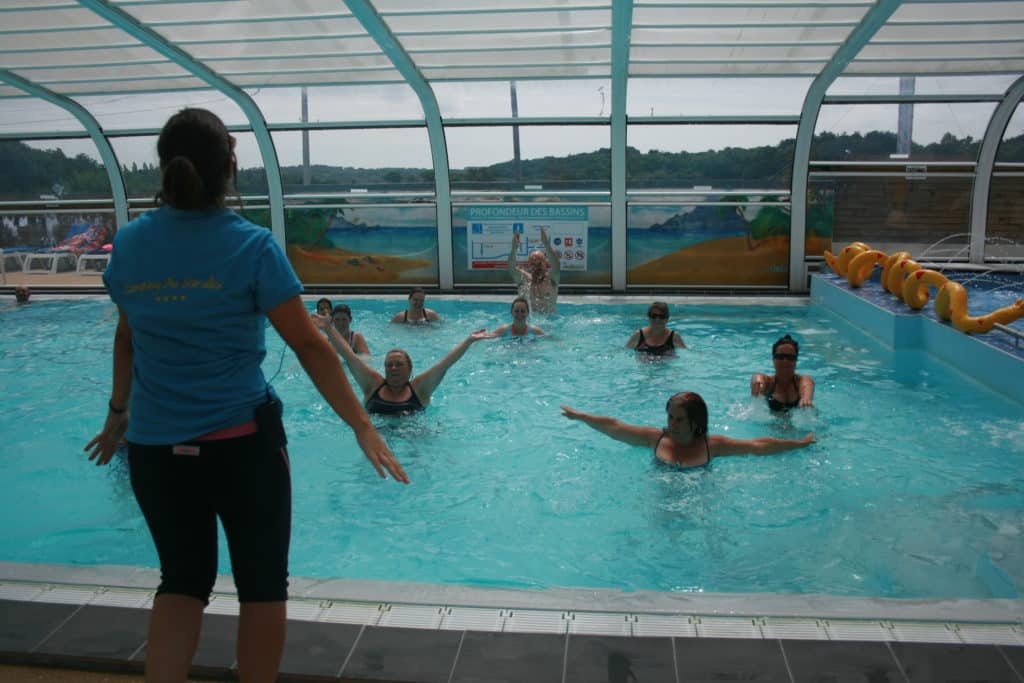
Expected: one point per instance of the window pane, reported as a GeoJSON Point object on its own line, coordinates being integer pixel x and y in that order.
{"type": "Point", "coordinates": [552, 158]}
{"type": "Point", "coordinates": [61, 169]}
{"type": "Point", "coordinates": [923, 85]}
{"type": "Point", "coordinates": [715, 96]}
{"type": "Point", "coordinates": [949, 132]}
{"type": "Point", "coordinates": [151, 110]}
{"type": "Point", "coordinates": [29, 115]}
{"type": "Point", "coordinates": [377, 159]}
{"type": "Point", "coordinates": [1005, 233]}
{"type": "Point", "coordinates": [718, 156]}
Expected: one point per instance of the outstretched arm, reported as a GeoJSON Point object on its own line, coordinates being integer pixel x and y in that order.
{"type": "Point", "coordinates": [617, 429]}
{"type": "Point", "coordinates": [722, 445]}
{"type": "Point", "coordinates": [425, 383]}
{"type": "Point", "coordinates": [103, 445]}
{"type": "Point", "coordinates": [806, 391]}
{"type": "Point", "coordinates": [553, 260]}
{"type": "Point", "coordinates": [293, 323]}
{"type": "Point", "coordinates": [361, 347]}
{"type": "Point", "coordinates": [368, 378]}
{"type": "Point", "coordinates": [513, 269]}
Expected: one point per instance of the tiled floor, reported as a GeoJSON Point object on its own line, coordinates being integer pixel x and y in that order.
{"type": "Point", "coordinates": [108, 638]}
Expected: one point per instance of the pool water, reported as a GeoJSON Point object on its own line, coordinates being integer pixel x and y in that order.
{"type": "Point", "coordinates": [914, 489]}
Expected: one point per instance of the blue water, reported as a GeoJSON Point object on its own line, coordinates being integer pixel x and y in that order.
{"type": "Point", "coordinates": [913, 490]}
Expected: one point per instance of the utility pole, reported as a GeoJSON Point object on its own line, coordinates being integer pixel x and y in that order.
{"type": "Point", "coordinates": [306, 180]}
{"type": "Point", "coordinates": [517, 163]}
{"type": "Point", "coordinates": [905, 127]}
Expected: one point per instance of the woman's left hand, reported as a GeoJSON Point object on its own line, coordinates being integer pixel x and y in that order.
{"type": "Point", "coordinates": [482, 333]}
{"type": "Point", "coordinates": [103, 445]}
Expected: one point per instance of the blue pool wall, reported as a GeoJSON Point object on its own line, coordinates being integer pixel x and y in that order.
{"type": "Point", "coordinates": [996, 363]}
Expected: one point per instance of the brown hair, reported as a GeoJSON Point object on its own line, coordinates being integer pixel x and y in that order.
{"type": "Point", "coordinates": [696, 410]}
{"type": "Point", "coordinates": [517, 300]}
{"type": "Point", "coordinates": [659, 306]}
{"type": "Point", "coordinates": [197, 160]}
{"type": "Point", "coordinates": [408, 359]}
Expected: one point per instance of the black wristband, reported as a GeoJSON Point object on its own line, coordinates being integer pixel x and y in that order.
{"type": "Point", "coordinates": [115, 411]}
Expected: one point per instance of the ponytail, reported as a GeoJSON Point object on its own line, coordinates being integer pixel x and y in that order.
{"type": "Point", "coordinates": [197, 160]}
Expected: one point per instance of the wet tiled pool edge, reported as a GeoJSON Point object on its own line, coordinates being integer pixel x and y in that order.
{"type": "Point", "coordinates": [95, 618]}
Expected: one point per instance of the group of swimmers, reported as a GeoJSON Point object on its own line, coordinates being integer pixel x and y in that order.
{"type": "Point", "coordinates": [684, 441]}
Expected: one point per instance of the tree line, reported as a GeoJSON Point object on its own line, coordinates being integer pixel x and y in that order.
{"type": "Point", "coordinates": [27, 173]}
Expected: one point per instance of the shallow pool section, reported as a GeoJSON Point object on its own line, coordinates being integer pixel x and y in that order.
{"type": "Point", "coordinates": [912, 491]}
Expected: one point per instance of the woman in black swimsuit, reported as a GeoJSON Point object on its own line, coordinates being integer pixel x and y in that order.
{"type": "Point", "coordinates": [656, 338]}
{"type": "Point", "coordinates": [417, 313]}
{"type": "Point", "coordinates": [394, 393]}
{"type": "Point", "coordinates": [785, 389]}
{"type": "Point", "coordinates": [685, 441]}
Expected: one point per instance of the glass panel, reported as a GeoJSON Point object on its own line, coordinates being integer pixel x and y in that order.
{"type": "Point", "coordinates": [251, 9]}
{"type": "Point", "coordinates": [564, 98]}
{"type": "Point", "coordinates": [926, 216]}
{"type": "Point", "coordinates": [141, 166]}
{"type": "Point", "coordinates": [717, 241]}
{"type": "Point", "coordinates": [51, 169]}
{"type": "Point", "coordinates": [950, 12]}
{"type": "Point", "coordinates": [263, 30]}
{"type": "Point", "coordinates": [726, 15]}
{"type": "Point", "coordinates": [586, 263]}
{"type": "Point", "coordinates": [469, 21]}
{"type": "Point", "coordinates": [341, 103]}
{"type": "Point", "coordinates": [153, 109]}
{"type": "Point", "coordinates": [1004, 235]}
{"type": "Point", "coordinates": [715, 96]}
{"type": "Point", "coordinates": [924, 85]}
{"type": "Point", "coordinates": [870, 131]}
{"type": "Point", "coordinates": [415, 44]}
{"type": "Point", "coordinates": [720, 156]}
{"type": "Point", "coordinates": [75, 231]}
{"type": "Point", "coordinates": [363, 245]}
{"type": "Point", "coordinates": [29, 115]}
{"type": "Point", "coordinates": [1011, 149]}
{"type": "Point", "coordinates": [1005, 231]}
{"type": "Point", "coordinates": [473, 100]}
{"type": "Point", "coordinates": [378, 160]}
{"type": "Point", "coordinates": [947, 32]}
{"type": "Point", "coordinates": [553, 158]}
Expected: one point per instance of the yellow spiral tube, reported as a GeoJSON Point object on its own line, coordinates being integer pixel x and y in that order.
{"type": "Point", "coordinates": [862, 265]}
{"type": "Point", "coordinates": [898, 273]}
{"type": "Point", "coordinates": [951, 304]}
{"type": "Point", "coordinates": [890, 262]}
{"type": "Point", "coordinates": [915, 287]}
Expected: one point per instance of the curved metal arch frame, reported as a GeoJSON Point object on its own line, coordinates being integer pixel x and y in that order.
{"type": "Point", "coordinates": [124, 21]}
{"type": "Point", "coordinates": [92, 126]}
{"type": "Point", "coordinates": [622, 20]}
{"type": "Point", "coordinates": [869, 25]}
{"type": "Point", "coordinates": [997, 123]}
{"type": "Point", "coordinates": [379, 31]}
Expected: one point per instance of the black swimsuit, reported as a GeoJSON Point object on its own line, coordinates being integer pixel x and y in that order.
{"type": "Point", "coordinates": [422, 321]}
{"type": "Point", "coordinates": [781, 406]}
{"type": "Point", "coordinates": [659, 350]}
{"type": "Point", "coordinates": [707, 446]}
{"type": "Point", "coordinates": [376, 404]}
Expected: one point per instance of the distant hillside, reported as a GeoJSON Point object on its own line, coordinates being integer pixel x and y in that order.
{"type": "Point", "coordinates": [27, 173]}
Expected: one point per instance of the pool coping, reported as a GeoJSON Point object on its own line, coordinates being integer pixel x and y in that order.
{"type": "Point", "coordinates": [596, 600]}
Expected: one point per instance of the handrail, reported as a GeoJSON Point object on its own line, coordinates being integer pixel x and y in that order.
{"type": "Point", "coordinates": [1016, 334]}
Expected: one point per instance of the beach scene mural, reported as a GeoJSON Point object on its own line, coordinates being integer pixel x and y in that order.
{"type": "Point", "coordinates": [734, 240]}
{"type": "Point", "coordinates": [363, 244]}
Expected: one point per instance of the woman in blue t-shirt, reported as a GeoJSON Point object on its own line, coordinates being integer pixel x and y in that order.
{"type": "Point", "coordinates": [194, 284]}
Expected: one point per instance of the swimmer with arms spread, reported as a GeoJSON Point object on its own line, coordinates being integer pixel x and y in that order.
{"type": "Point", "coordinates": [538, 279]}
{"type": "Point", "coordinates": [685, 441]}
{"type": "Point", "coordinates": [394, 393]}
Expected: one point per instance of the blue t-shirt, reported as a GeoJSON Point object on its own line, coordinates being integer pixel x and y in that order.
{"type": "Point", "coordinates": [194, 287]}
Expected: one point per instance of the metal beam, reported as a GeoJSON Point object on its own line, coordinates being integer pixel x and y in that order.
{"type": "Point", "coordinates": [127, 23]}
{"type": "Point", "coordinates": [869, 25]}
{"type": "Point", "coordinates": [92, 126]}
{"type": "Point", "coordinates": [622, 21]}
{"type": "Point", "coordinates": [986, 162]}
{"type": "Point", "coordinates": [379, 31]}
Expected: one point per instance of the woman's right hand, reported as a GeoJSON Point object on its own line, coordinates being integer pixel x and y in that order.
{"type": "Point", "coordinates": [321, 321]}
{"type": "Point", "coordinates": [379, 455]}
{"type": "Point", "coordinates": [571, 413]}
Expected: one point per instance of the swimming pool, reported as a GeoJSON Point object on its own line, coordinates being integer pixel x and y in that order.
{"type": "Point", "coordinates": [913, 490]}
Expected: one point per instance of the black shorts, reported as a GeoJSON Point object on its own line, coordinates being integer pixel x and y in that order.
{"type": "Point", "coordinates": [243, 481]}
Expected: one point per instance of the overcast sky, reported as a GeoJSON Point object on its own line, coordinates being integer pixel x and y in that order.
{"type": "Point", "coordinates": [409, 148]}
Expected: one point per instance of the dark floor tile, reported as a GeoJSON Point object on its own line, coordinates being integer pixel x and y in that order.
{"type": "Point", "coordinates": [1016, 657]}
{"type": "Point", "coordinates": [616, 659]}
{"type": "Point", "coordinates": [316, 649]}
{"type": "Point", "coordinates": [23, 625]}
{"type": "Point", "coordinates": [937, 663]}
{"type": "Point", "coordinates": [730, 659]}
{"type": "Point", "coordinates": [100, 633]}
{"type": "Point", "coordinates": [403, 654]}
{"type": "Point", "coordinates": [817, 661]}
{"type": "Point", "coordinates": [510, 657]}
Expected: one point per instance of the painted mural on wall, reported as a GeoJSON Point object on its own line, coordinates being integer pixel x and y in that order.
{"type": "Point", "coordinates": [727, 241]}
{"type": "Point", "coordinates": [363, 244]}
